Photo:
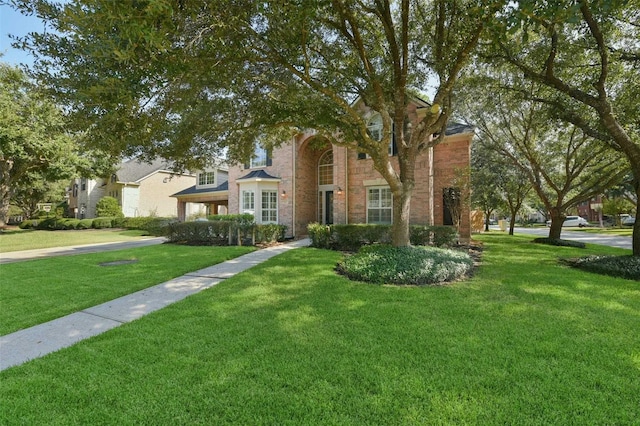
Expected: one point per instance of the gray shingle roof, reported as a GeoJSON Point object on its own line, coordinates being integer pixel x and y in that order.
{"type": "Point", "coordinates": [258, 174]}
{"type": "Point", "coordinates": [224, 186]}
{"type": "Point", "coordinates": [134, 170]}
{"type": "Point", "coordinates": [457, 128]}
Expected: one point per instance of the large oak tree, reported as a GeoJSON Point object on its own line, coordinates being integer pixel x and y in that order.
{"type": "Point", "coordinates": [588, 54]}
{"type": "Point", "coordinates": [35, 148]}
{"type": "Point", "coordinates": [186, 79]}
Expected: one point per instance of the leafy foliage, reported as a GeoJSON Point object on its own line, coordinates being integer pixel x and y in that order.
{"type": "Point", "coordinates": [352, 237]}
{"type": "Point", "coordinates": [34, 144]}
{"type": "Point", "coordinates": [559, 242]}
{"type": "Point", "coordinates": [615, 266]}
{"type": "Point", "coordinates": [383, 264]}
{"type": "Point", "coordinates": [213, 77]}
{"type": "Point", "coordinates": [109, 206]}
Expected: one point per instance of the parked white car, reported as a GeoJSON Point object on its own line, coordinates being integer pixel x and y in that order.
{"type": "Point", "coordinates": [628, 220]}
{"type": "Point", "coordinates": [573, 221]}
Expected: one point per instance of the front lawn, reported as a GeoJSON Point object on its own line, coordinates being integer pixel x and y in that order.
{"type": "Point", "coordinates": [626, 231]}
{"type": "Point", "coordinates": [29, 239]}
{"type": "Point", "coordinates": [37, 291]}
{"type": "Point", "coordinates": [526, 341]}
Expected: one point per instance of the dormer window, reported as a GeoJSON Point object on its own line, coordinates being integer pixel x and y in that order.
{"type": "Point", "coordinates": [206, 178]}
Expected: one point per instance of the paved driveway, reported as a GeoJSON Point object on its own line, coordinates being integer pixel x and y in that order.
{"type": "Point", "coordinates": [585, 237]}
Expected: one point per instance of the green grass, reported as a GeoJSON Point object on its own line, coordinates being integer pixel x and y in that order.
{"type": "Point", "coordinates": [627, 231]}
{"type": "Point", "coordinates": [28, 239]}
{"type": "Point", "coordinates": [526, 341]}
{"type": "Point", "coordinates": [37, 291]}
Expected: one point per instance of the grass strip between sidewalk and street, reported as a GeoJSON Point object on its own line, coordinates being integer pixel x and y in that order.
{"type": "Point", "coordinates": [29, 239]}
{"type": "Point", "coordinates": [525, 341]}
{"type": "Point", "coordinates": [36, 291]}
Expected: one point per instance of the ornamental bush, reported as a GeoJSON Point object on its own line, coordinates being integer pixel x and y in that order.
{"type": "Point", "coordinates": [559, 242]}
{"type": "Point", "coordinates": [384, 264]}
{"type": "Point", "coordinates": [615, 266]}
{"type": "Point", "coordinates": [108, 207]}
{"type": "Point", "coordinates": [102, 222]}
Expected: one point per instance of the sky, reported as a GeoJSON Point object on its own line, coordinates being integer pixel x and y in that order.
{"type": "Point", "coordinates": [12, 22]}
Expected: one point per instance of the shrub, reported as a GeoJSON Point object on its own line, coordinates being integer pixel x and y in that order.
{"type": "Point", "coordinates": [50, 224]}
{"type": "Point", "coordinates": [159, 226]}
{"type": "Point", "coordinates": [102, 222]}
{"type": "Point", "coordinates": [108, 207]}
{"type": "Point", "coordinates": [84, 224]}
{"type": "Point", "coordinates": [352, 237]}
{"type": "Point", "coordinates": [118, 222]}
{"type": "Point", "coordinates": [270, 233]}
{"type": "Point", "coordinates": [444, 235]}
{"type": "Point", "coordinates": [559, 242]}
{"type": "Point", "coordinates": [199, 233]}
{"type": "Point", "coordinates": [320, 235]}
{"type": "Point", "coordinates": [615, 266]}
{"type": "Point", "coordinates": [68, 224]}
{"type": "Point", "coordinates": [28, 224]}
{"type": "Point", "coordinates": [152, 225]}
{"type": "Point", "coordinates": [384, 264]}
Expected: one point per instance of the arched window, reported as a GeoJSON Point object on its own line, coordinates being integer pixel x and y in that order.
{"type": "Point", "coordinates": [325, 168]}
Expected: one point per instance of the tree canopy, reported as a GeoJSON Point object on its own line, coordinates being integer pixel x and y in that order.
{"type": "Point", "coordinates": [34, 144]}
{"type": "Point", "coordinates": [187, 79]}
{"type": "Point", "coordinates": [587, 53]}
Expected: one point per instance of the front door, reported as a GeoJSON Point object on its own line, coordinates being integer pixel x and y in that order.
{"type": "Point", "coordinates": [325, 207]}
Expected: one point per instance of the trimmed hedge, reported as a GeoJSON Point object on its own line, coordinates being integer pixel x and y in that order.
{"type": "Point", "coordinates": [29, 224]}
{"type": "Point", "coordinates": [102, 222]}
{"type": "Point", "coordinates": [85, 224]}
{"type": "Point", "coordinates": [223, 232]}
{"type": "Point", "coordinates": [352, 237]}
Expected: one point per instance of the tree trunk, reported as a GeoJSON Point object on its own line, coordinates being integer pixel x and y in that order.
{"type": "Point", "coordinates": [400, 227]}
{"type": "Point", "coordinates": [635, 239]}
{"type": "Point", "coordinates": [557, 220]}
{"type": "Point", "coordinates": [5, 202]}
{"type": "Point", "coordinates": [512, 223]}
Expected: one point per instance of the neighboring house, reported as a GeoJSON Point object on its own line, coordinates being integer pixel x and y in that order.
{"type": "Point", "coordinates": [211, 191]}
{"type": "Point", "coordinates": [142, 189]}
{"type": "Point", "coordinates": [298, 183]}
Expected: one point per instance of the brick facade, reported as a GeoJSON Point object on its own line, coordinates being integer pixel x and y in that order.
{"type": "Point", "coordinates": [295, 165]}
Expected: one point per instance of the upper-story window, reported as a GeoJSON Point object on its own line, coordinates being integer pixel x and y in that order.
{"type": "Point", "coordinates": [206, 178]}
{"type": "Point", "coordinates": [83, 184]}
{"type": "Point", "coordinates": [325, 168]}
{"type": "Point", "coordinates": [259, 159]}
{"type": "Point", "coordinates": [375, 128]}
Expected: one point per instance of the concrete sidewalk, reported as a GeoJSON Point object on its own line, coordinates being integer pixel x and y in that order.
{"type": "Point", "coordinates": [24, 345]}
{"type": "Point", "coordinates": [18, 256]}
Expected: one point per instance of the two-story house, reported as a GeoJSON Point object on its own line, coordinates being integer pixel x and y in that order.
{"type": "Point", "coordinates": [142, 189]}
{"type": "Point", "coordinates": [297, 183]}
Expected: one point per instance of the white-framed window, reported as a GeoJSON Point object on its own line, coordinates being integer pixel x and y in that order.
{"type": "Point", "coordinates": [206, 178]}
{"type": "Point", "coordinates": [269, 206]}
{"type": "Point", "coordinates": [379, 205]}
{"type": "Point", "coordinates": [375, 127]}
{"type": "Point", "coordinates": [259, 158]}
{"type": "Point", "coordinates": [248, 202]}
{"type": "Point", "coordinates": [325, 168]}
